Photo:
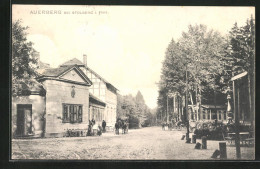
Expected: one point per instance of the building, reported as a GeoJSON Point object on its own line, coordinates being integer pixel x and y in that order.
{"type": "Point", "coordinates": [64, 105]}
{"type": "Point", "coordinates": [102, 90]}
{"type": "Point", "coordinates": [28, 111]}
{"type": "Point", "coordinates": [243, 100]}
{"type": "Point", "coordinates": [209, 113]}
{"type": "Point", "coordinates": [62, 99]}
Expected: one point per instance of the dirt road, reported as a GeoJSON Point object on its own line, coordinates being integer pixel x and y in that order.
{"type": "Point", "coordinates": [143, 144]}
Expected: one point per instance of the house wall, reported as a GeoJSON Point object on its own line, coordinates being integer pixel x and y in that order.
{"type": "Point", "coordinates": [98, 87]}
{"type": "Point", "coordinates": [38, 113]}
{"type": "Point", "coordinates": [58, 93]}
{"type": "Point", "coordinates": [207, 115]}
{"type": "Point", "coordinates": [100, 90]}
{"type": "Point", "coordinates": [111, 101]}
{"type": "Point", "coordinates": [96, 112]}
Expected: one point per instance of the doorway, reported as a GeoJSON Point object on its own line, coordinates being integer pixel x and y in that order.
{"type": "Point", "coordinates": [24, 120]}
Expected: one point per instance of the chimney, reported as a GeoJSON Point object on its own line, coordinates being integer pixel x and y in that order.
{"type": "Point", "coordinates": [85, 59]}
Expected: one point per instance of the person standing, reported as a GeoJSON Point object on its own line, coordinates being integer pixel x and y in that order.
{"type": "Point", "coordinates": [104, 125]}
{"type": "Point", "coordinates": [93, 122]}
{"type": "Point", "coordinates": [117, 128]}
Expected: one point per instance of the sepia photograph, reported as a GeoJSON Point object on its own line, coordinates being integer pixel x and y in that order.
{"type": "Point", "coordinates": [104, 82]}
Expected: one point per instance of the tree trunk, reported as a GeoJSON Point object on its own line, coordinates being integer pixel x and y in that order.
{"type": "Point", "coordinates": [200, 113]}
{"type": "Point", "coordinates": [196, 93]}
{"type": "Point", "coordinates": [249, 95]}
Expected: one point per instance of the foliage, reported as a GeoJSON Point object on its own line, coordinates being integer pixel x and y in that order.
{"type": "Point", "coordinates": [209, 60]}
{"type": "Point", "coordinates": [133, 122]}
{"type": "Point", "coordinates": [196, 54]}
{"type": "Point", "coordinates": [134, 109]}
{"type": "Point", "coordinates": [24, 57]}
{"type": "Point", "coordinates": [240, 52]}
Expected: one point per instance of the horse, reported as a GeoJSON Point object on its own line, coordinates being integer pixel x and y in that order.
{"type": "Point", "coordinates": [163, 126]}
{"type": "Point", "coordinates": [124, 128]}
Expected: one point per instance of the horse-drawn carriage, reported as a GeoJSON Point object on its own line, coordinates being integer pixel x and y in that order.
{"type": "Point", "coordinates": [123, 125]}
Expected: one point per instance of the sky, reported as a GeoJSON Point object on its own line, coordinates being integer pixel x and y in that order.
{"type": "Point", "coordinates": [124, 44]}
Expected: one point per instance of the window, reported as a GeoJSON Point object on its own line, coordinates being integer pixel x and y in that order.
{"type": "Point", "coordinates": [224, 115]}
{"type": "Point", "coordinates": [208, 114]}
{"type": "Point", "coordinates": [204, 114]}
{"type": "Point", "coordinates": [72, 113]}
{"type": "Point", "coordinates": [219, 115]}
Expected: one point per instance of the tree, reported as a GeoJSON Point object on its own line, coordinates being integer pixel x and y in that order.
{"type": "Point", "coordinates": [240, 56]}
{"type": "Point", "coordinates": [203, 50]}
{"type": "Point", "coordinates": [240, 51]}
{"type": "Point", "coordinates": [139, 98]}
{"type": "Point", "coordinates": [197, 52]}
{"type": "Point", "coordinates": [172, 78]}
{"type": "Point", "coordinates": [24, 57]}
{"type": "Point", "coordinates": [134, 108]}
{"type": "Point", "coordinates": [120, 109]}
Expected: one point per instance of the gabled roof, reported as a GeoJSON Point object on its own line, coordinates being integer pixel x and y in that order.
{"type": "Point", "coordinates": [54, 72]}
{"type": "Point", "coordinates": [57, 73]}
{"type": "Point", "coordinates": [43, 65]}
{"type": "Point", "coordinates": [73, 61]}
{"type": "Point", "coordinates": [77, 62]}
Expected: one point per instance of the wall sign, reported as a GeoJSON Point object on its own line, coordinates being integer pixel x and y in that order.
{"type": "Point", "coordinates": [73, 91]}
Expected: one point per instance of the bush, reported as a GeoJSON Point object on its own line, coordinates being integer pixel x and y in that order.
{"type": "Point", "coordinates": [216, 134]}
{"type": "Point", "coordinates": [133, 122]}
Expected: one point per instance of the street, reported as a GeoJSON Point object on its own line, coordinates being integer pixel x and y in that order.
{"type": "Point", "coordinates": [149, 143]}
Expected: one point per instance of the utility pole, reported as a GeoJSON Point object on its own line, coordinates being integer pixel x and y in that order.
{"type": "Point", "coordinates": [174, 108]}
{"type": "Point", "coordinates": [237, 139]}
{"type": "Point", "coordinates": [186, 106]}
{"type": "Point", "coordinates": [167, 109]}
{"type": "Point", "coordinates": [216, 111]}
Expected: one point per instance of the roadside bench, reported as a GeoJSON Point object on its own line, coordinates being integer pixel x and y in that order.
{"type": "Point", "coordinates": [250, 141]}
{"type": "Point", "coordinates": [244, 138]}
{"type": "Point", "coordinates": [230, 139]}
{"type": "Point", "coordinates": [75, 133]}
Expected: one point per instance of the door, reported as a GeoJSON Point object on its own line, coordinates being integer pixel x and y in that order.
{"type": "Point", "coordinates": [24, 119]}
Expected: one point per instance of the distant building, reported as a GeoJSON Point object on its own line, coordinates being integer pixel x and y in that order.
{"type": "Point", "coordinates": [209, 113]}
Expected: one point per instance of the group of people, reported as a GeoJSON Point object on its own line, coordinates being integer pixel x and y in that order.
{"type": "Point", "coordinates": [92, 127]}
{"type": "Point", "coordinates": [166, 126]}
{"type": "Point", "coordinates": [172, 124]}
{"type": "Point", "coordinates": [121, 124]}
{"type": "Point", "coordinates": [96, 127]}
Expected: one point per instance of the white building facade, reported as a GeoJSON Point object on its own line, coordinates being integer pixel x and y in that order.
{"type": "Point", "coordinates": [101, 89]}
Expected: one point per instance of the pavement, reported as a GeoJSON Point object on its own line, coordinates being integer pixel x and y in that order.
{"type": "Point", "coordinates": [149, 143]}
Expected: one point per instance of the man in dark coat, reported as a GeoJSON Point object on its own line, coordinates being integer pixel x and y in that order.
{"type": "Point", "coordinates": [117, 128]}
{"type": "Point", "coordinates": [93, 122]}
{"type": "Point", "coordinates": [104, 125]}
